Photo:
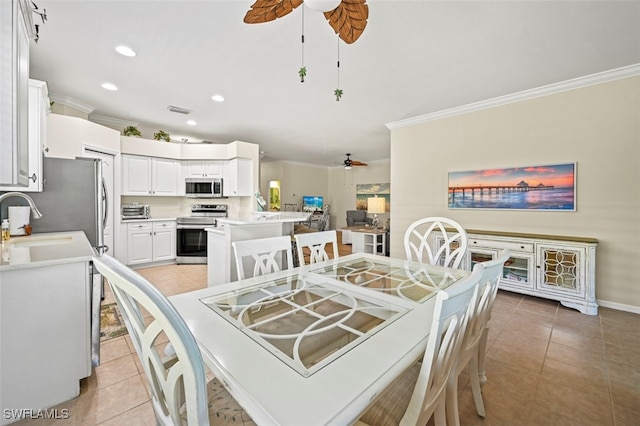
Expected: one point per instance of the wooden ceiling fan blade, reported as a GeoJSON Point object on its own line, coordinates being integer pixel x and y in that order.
{"type": "Point", "coordinates": [349, 19]}
{"type": "Point", "coordinates": [358, 163]}
{"type": "Point", "coordinates": [267, 10]}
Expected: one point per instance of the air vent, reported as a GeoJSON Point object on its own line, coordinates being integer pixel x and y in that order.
{"type": "Point", "coordinates": [178, 109]}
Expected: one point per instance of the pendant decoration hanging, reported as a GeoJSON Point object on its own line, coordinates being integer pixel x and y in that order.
{"type": "Point", "coordinates": [338, 92]}
{"type": "Point", "coordinates": [302, 72]}
{"type": "Point", "coordinates": [348, 19]}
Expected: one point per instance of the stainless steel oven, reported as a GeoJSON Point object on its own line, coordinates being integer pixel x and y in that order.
{"type": "Point", "coordinates": [191, 238]}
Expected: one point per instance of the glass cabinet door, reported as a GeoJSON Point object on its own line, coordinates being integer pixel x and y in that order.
{"type": "Point", "coordinates": [559, 269]}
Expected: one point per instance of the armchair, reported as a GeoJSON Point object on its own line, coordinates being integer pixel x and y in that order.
{"type": "Point", "coordinates": [358, 218]}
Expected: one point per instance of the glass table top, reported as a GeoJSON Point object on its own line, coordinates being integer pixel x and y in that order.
{"type": "Point", "coordinates": [303, 320]}
{"type": "Point", "coordinates": [409, 281]}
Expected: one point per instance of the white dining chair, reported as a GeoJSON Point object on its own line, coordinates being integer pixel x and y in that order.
{"type": "Point", "coordinates": [474, 342]}
{"type": "Point", "coordinates": [266, 254]}
{"type": "Point", "coordinates": [437, 241]}
{"type": "Point", "coordinates": [420, 392]}
{"type": "Point", "coordinates": [180, 394]}
{"type": "Point", "coordinates": [316, 243]}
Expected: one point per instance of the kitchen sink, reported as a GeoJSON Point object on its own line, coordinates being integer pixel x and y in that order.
{"type": "Point", "coordinates": [40, 240]}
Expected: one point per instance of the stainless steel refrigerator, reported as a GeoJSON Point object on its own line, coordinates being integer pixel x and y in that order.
{"type": "Point", "coordinates": [74, 198]}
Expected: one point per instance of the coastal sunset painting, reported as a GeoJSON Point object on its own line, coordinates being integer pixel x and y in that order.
{"type": "Point", "coordinates": [548, 187]}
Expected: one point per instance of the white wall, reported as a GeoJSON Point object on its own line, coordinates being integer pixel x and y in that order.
{"type": "Point", "coordinates": [597, 126]}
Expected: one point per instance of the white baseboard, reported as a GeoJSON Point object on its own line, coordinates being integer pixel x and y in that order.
{"type": "Point", "coordinates": [619, 306]}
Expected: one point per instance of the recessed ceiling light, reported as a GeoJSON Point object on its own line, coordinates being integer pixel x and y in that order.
{"type": "Point", "coordinates": [125, 51]}
{"type": "Point", "coordinates": [109, 86]}
{"type": "Point", "coordinates": [191, 123]}
{"type": "Point", "coordinates": [218, 98]}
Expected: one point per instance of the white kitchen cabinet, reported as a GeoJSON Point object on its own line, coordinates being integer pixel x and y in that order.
{"type": "Point", "coordinates": [164, 240]}
{"type": "Point", "coordinates": [238, 178]}
{"type": "Point", "coordinates": [151, 242]}
{"type": "Point", "coordinates": [45, 335]}
{"type": "Point", "coordinates": [37, 137]}
{"type": "Point", "coordinates": [16, 30]}
{"type": "Point", "coordinates": [203, 168]}
{"type": "Point", "coordinates": [149, 176]}
{"type": "Point", "coordinates": [553, 267]}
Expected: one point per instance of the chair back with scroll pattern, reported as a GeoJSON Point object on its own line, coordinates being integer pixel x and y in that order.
{"type": "Point", "coordinates": [421, 391]}
{"type": "Point", "coordinates": [178, 388]}
{"type": "Point", "coordinates": [474, 342]}
{"type": "Point", "coordinates": [316, 243]}
{"type": "Point", "coordinates": [266, 254]}
{"type": "Point", "coordinates": [437, 241]}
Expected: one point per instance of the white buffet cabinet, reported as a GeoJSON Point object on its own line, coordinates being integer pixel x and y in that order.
{"type": "Point", "coordinates": [554, 267]}
{"type": "Point", "coordinates": [150, 241]}
{"type": "Point", "coordinates": [45, 325]}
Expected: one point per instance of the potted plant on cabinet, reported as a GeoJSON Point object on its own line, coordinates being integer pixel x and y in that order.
{"type": "Point", "coordinates": [131, 131]}
{"type": "Point", "coordinates": [161, 135]}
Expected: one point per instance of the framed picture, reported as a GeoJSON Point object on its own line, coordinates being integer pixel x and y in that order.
{"type": "Point", "coordinates": [546, 187]}
{"type": "Point", "coordinates": [366, 190]}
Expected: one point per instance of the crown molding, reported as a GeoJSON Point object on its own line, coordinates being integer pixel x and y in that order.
{"type": "Point", "coordinates": [72, 103]}
{"type": "Point", "coordinates": [111, 121]}
{"type": "Point", "coordinates": [563, 86]}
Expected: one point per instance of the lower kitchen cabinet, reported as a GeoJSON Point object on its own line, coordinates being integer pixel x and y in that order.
{"type": "Point", "coordinates": [549, 266]}
{"type": "Point", "coordinates": [151, 242]}
{"type": "Point", "coordinates": [45, 335]}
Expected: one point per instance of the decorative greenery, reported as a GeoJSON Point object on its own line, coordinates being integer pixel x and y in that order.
{"type": "Point", "coordinates": [302, 72]}
{"type": "Point", "coordinates": [161, 135]}
{"type": "Point", "coordinates": [131, 131]}
{"type": "Point", "coordinates": [338, 94]}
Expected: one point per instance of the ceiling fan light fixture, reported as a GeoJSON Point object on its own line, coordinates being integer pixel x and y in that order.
{"type": "Point", "coordinates": [347, 167]}
{"type": "Point", "coordinates": [322, 5]}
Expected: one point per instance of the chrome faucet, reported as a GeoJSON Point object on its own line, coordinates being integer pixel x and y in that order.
{"type": "Point", "coordinates": [34, 209]}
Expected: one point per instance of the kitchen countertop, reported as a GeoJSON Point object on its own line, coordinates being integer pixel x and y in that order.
{"type": "Point", "coordinates": [262, 217]}
{"type": "Point", "coordinates": [151, 219]}
{"type": "Point", "coordinates": [45, 249]}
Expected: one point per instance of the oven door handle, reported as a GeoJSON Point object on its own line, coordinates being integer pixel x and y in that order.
{"type": "Point", "coordinates": [194, 226]}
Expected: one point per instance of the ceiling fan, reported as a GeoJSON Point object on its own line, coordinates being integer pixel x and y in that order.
{"type": "Point", "coordinates": [348, 18]}
{"type": "Point", "coordinates": [348, 162]}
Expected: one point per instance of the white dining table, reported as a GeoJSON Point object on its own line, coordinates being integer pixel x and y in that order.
{"type": "Point", "coordinates": [315, 345]}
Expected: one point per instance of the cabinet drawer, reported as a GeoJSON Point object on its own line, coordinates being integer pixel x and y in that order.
{"type": "Point", "coordinates": [502, 245]}
{"type": "Point", "coordinates": [139, 226]}
{"type": "Point", "coordinates": [163, 225]}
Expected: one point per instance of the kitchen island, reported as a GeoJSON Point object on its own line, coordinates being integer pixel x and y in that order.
{"type": "Point", "coordinates": [221, 260]}
{"type": "Point", "coordinates": [45, 321]}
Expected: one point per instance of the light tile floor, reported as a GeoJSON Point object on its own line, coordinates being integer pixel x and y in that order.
{"type": "Point", "coordinates": [547, 365]}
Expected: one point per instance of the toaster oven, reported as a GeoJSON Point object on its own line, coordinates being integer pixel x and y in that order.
{"type": "Point", "coordinates": [135, 211]}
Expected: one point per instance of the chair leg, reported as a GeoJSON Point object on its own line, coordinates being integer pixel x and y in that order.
{"type": "Point", "coordinates": [482, 354]}
{"type": "Point", "coordinates": [475, 385]}
{"type": "Point", "coordinates": [452, 399]}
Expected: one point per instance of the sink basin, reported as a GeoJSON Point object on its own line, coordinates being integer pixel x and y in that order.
{"type": "Point", "coordinates": [44, 240]}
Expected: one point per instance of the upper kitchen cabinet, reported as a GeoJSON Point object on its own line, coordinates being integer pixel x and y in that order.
{"type": "Point", "coordinates": [203, 168]}
{"type": "Point", "coordinates": [16, 29]}
{"type": "Point", "coordinates": [238, 178]}
{"type": "Point", "coordinates": [39, 109]}
{"type": "Point", "coordinates": [149, 176]}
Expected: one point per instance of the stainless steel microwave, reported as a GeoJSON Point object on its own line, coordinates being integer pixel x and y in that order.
{"type": "Point", "coordinates": [203, 187]}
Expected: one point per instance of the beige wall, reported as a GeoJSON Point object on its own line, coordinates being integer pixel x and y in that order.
{"type": "Point", "coordinates": [296, 180]}
{"type": "Point", "coordinates": [342, 186]}
{"type": "Point", "coordinates": [336, 184]}
{"type": "Point", "coordinates": [597, 126]}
